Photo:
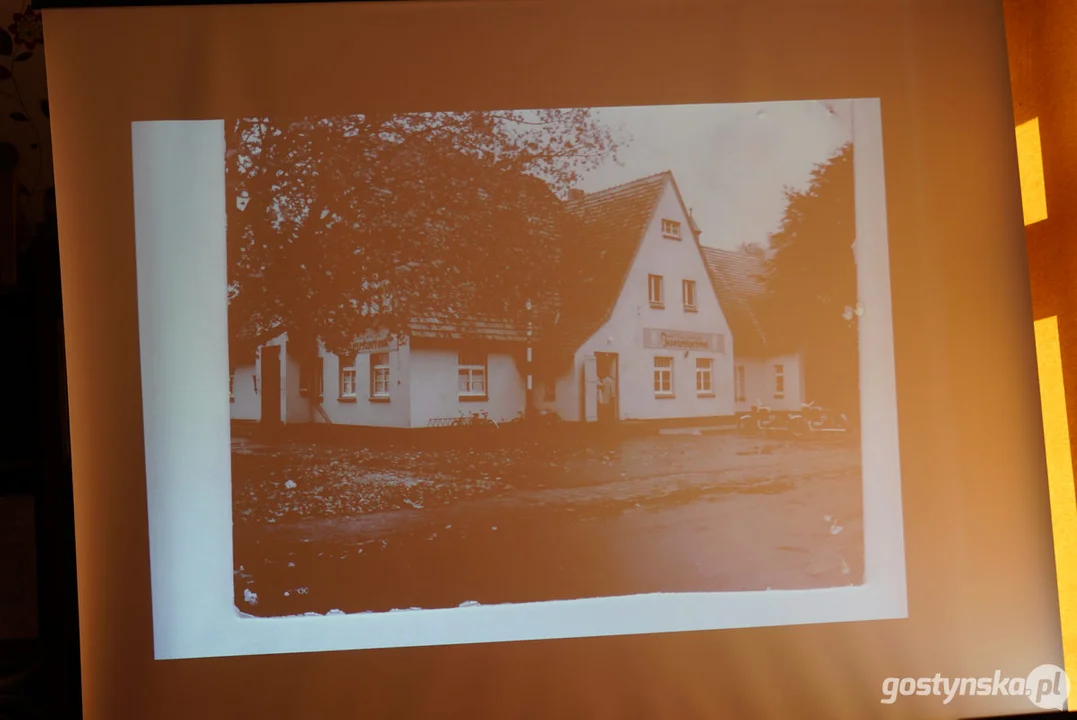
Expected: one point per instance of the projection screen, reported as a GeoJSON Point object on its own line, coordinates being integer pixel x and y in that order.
{"type": "Point", "coordinates": [675, 357]}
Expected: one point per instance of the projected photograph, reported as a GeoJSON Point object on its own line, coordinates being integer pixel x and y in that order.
{"type": "Point", "coordinates": [518, 356]}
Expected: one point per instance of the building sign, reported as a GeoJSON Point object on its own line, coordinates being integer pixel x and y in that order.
{"type": "Point", "coordinates": [657, 339]}
{"type": "Point", "coordinates": [378, 344]}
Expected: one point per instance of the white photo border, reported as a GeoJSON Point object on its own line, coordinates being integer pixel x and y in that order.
{"type": "Point", "coordinates": [182, 277]}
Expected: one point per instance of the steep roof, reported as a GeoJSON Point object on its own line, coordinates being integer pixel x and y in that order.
{"type": "Point", "coordinates": [738, 279]}
{"type": "Point", "coordinates": [599, 243]}
{"type": "Point", "coordinates": [458, 307]}
{"type": "Point", "coordinates": [610, 229]}
{"type": "Point", "coordinates": [488, 327]}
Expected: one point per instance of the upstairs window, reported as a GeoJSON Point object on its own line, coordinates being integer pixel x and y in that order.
{"type": "Point", "coordinates": [671, 229]}
{"type": "Point", "coordinates": [688, 295]}
{"type": "Point", "coordinates": [655, 291]}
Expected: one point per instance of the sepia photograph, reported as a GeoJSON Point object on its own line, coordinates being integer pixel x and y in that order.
{"type": "Point", "coordinates": [492, 357]}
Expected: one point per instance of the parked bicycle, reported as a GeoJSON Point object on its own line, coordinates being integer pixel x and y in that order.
{"type": "Point", "coordinates": [478, 418]}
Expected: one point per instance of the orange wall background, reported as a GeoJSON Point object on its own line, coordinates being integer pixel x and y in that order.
{"type": "Point", "coordinates": [1043, 73]}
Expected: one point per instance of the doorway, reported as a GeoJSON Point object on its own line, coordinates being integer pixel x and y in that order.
{"type": "Point", "coordinates": [271, 385]}
{"type": "Point", "coordinates": [609, 387]}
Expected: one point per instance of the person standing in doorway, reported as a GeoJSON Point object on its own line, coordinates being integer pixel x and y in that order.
{"type": "Point", "coordinates": [607, 396]}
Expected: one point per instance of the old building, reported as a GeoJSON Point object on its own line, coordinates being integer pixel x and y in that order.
{"type": "Point", "coordinates": [637, 333]}
{"type": "Point", "coordinates": [763, 372]}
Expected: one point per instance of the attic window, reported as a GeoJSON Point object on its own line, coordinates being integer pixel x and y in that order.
{"type": "Point", "coordinates": [671, 229]}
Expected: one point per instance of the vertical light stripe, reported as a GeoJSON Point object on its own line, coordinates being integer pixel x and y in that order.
{"type": "Point", "coordinates": [1060, 479]}
{"type": "Point", "coordinates": [1030, 163]}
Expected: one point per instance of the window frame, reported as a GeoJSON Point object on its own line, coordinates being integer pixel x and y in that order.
{"type": "Point", "coordinates": [707, 371]}
{"type": "Point", "coordinates": [343, 370]}
{"type": "Point", "coordinates": [657, 372]}
{"type": "Point", "coordinates": [779, 380]}
{"type": "Point", "coordinates": [472, 367]}
{"type": "Point", "coordinates": [671, 229]}
{"type": "Point", "coordinates": [375, 366]}
{"type": "Point", "coordinates": [656, 282]}
{"type": "Point", "coordinates": [319, 378]}
{"type": "Point", "coordinates": [685, 286]}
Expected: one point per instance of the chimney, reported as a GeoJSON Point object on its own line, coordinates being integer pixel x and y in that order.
{"type": "Point", "coordinates": [575, 194]}
{"type": "Point", "coordinates": [692, 223]}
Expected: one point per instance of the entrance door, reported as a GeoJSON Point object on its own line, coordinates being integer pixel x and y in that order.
{"type": "Point", "coordinates": [589, 390]}
{"type": "Point", "coordinates": [609, 393]}
{"type": "Point", "coordinates": [271, 385]}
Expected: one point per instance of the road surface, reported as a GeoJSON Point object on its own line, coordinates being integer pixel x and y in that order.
{"type": "Point", "coordinates": [645, 514]}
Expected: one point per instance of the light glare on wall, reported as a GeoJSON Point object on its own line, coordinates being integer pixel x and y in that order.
{"type": "Point", "coordinates": [1030, 163]}
{"type": "Point", "coordinates": [1060, 479]}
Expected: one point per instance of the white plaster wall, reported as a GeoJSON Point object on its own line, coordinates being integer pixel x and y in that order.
{"type": "Point", "coordinates": [566, 402]}
{"type": "Point", "coordinates": [794, 381]}
{"type": "Point", "coordinates": [434, 384]}
{"type": "Point", "coordinates": [759, 382]}
{"type": "Point", "coordinates": [674, 260]}
{"type": "Point", "coordinates": [247, 404]}
{"type": "Point", "coordinates": [297, 409]}
{"type": "Point", "coordinates": [362, 410]}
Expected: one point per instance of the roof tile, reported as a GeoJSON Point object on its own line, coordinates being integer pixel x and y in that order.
{"type": "Point", "coordinates": [739, 282]}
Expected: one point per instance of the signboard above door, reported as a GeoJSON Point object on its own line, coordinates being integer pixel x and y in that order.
{"type": "Point", "coordinates": [658, 339]}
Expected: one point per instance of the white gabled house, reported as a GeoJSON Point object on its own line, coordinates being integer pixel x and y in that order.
{"type": "Point", "coordinates": [645, 314]}
{"type": "Point", "coordinates": [642, 309]}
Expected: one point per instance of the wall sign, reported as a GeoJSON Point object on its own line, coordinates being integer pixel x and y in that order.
{"type": "Point", "coordinates": [379, 344]}
{"type": "Point", "coordinates": [658, 339]}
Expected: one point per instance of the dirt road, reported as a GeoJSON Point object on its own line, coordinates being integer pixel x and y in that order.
{"type": "Point", "coordinates": [361, 530]}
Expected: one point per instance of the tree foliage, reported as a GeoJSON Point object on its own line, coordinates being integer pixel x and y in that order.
{"type": "Point", "coordinates": [811, 281]}
{"type": "Point", "coordinates": [338, 227]}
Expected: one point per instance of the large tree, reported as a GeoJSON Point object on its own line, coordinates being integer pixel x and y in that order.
{"type": "Point", "coordinates": [811, 282]}
{"type": "Point", "coordinates": [342, 226]}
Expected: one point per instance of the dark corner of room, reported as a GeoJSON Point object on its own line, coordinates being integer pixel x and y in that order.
{"type": "Point", "coordinates": [39, 672]}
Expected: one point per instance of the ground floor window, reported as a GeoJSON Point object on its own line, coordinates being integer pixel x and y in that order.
{"type": "Point", "coordinates": [347, 378]}
{"type": "Point", "coordinates": [379, 375]}
{"type": "Point", "coordinates": [663, 376]}
{"type": "Point", "coordinates": [738, 384]}
{"type": "Point", "coordinates": [471, 375]}
{"type": "Point", "coordinates": [704, 376]}
{"type": "Point", "coordinates": [779, 381]}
